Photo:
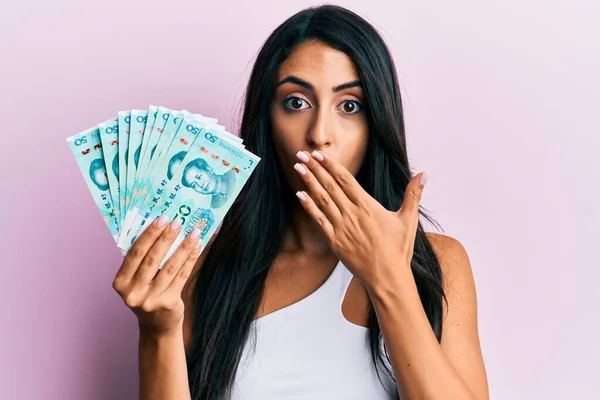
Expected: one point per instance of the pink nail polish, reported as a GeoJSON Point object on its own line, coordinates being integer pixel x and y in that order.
{"type": "Point", "coordinates": [195, 233]}
{"type": "Point", "coordinates": [318, 155]}
{"type": "Point", "coordinates": [301, 196]}
{"type": "Point", "coordinates": [424, 178]}
{"type": "Point", "coordinates": [176, 224]}
{"type": "Point", "coordinates": [302, 156]}
{"type": "Point", "coordinates": [162, 221]}
{"type": "Point", "coordinates": [300, 168]}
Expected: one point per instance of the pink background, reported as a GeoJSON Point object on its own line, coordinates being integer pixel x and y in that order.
{"type": "Point", "coordinates": [501, 106]}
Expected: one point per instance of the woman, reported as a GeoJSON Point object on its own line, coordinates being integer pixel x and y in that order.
{"type": "Point", "coordinates": [335, 292]}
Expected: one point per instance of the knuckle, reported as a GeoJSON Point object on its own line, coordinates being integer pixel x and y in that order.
{"type": "Point", "coordinates": [320, 220]}
{"type": "Point", "coordinates": [184, 273]}
{"type": "Point", "coordinates": [169, 305]}
{"type": "Point", "coordinates": [135, 252]}
{"type": "Point", "coordinates": [323, 200]}
{"type": "Point", "coordinates": [118, 285]}
{"type": "Point", "coordinates": [196, 252]}
{"type": "Point", "coordinates": [148, 261]}
{"type": "Point", "coordinates": [148, 305]}
{"type": "Point", "coordinates": [169, 268]}
{"type": "Point", "coordinates": [174, 301]}
{"type": "Point", "coordinates": [414, 195]}
{"type": "Point", "coordinates": [131, 300]}
{"type": "Point", "coordinates": [329, 187]}
{"type": "Point", "coordinates": [193, 257]}
{"type": "Point", "coordinates": [343, 179]}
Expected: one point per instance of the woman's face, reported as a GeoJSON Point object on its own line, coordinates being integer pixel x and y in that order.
{"type": "Point", "coordinates": [318, 105]}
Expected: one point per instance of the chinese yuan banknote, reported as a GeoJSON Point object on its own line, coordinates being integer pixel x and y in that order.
{"type": "Point", "coordinates": [142, 164]}
{"type": "Point", "coordinates": [87, 149]}
{"type": "Point", "coordinates": [190, 131]}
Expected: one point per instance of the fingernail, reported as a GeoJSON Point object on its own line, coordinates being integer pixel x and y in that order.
{"type": "Point", "coordinates": [302, 156]}
{"type": "Point", "coordinates": [301, 196]}
{"type": "Point", "coordinates": [198, 244]}
{"type": "Point", "coordinates": [195, 233]}
{"type": "Point", "coordinates": [424, 177]}
{"type": "Point", "coordinates": [176, 224]}
{"type": "Point", "coordinates": [318, 155]}
{"type": "Point", "coordinates": [162, 221]}
{"type": "Point", "coordinates": [300, 168]}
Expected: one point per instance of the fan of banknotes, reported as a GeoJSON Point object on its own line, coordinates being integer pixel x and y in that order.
{"type": "Point", "coordinates": [142, 164]}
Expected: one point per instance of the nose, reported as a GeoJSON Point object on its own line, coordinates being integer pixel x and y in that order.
{"type": "Point", "coordinates": [320, 133]}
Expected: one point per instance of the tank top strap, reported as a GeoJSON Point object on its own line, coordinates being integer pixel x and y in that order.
{"type": "Point", "coordinates": [343, 282]}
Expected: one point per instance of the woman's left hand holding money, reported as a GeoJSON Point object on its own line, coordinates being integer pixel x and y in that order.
{"type": "Point", "coordinates": [375, 244]}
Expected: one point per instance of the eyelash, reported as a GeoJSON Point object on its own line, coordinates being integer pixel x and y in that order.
{"type": "Point", "coordinates": [289, 109]}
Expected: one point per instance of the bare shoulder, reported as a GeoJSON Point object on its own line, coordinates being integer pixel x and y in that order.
{"type": "Point", "coordinates": [454, 261]}
{"type": "Point", "coordinates": [460, 332]}
{"type": "Point", "coordinates": [457, 274]}
{"type": "Point", "coordinates": [448, 250]}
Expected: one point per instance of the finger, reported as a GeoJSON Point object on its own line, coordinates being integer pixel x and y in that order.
{"type": "Point", "coordinates": [173, 265]}
{"type": "Point", "coordinates": [151, 262]}
{"type": "Point", "coordinates": [412, 195]}
{"type": "Point", "coordinates": [315, 212]}
{"type": "Point", "coordinates": [140, 247]}
{"type": "Point", "coordinates": [179, 280]}
{"type": "Point", "coordinates": [344, 179]}
{"type": "Point", "coordinates": [326, 180]}
{"type": "Point", "coordinates": [321, 197]}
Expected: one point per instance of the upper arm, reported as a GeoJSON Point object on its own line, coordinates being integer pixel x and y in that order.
{"type": "Point", "coordinates": [460, 332]}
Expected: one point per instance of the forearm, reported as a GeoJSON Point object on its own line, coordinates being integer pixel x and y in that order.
{"type": "Point", "coordinates": [163, 367]}
{"type": "Point", "coordinates": [420, 367]}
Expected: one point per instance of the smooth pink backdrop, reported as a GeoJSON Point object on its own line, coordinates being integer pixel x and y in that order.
{"type": "Point", "coordinates": [501, 103]}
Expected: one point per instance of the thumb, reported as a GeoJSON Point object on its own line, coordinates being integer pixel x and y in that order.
{"type": "Point", "coordinates": [412, 195]}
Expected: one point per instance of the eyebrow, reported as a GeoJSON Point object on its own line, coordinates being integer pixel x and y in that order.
{"type": "Point", "coordinates": [303, 83]}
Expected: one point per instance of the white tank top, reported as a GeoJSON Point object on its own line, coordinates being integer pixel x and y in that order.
{"type": "Point", "coordinates": [308, 350]}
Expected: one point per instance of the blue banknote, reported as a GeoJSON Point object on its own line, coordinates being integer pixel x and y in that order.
{"type": "Point", "coordinates": [157, 119]}
{"type": "Point", "coordinates": [164, 142]}
{"type": "Point", "coordinates": [204, 182]}
{"type": "Point", "coordinates": [109, 137]}
{"type": "Point", "coordinates": [181, 139]}
{"type": "Point", "coordinates": [136, 134]}
{"type": "Point", "coordinates": [121, 172]}
{"type": "Point", "coordinates": [189, 130]}
{"type": "Point", "coordinates": [152, 114]}
{"type": "Point", "coordinates": [87, 149]}
{"type": "Point", "coordinates": [145, 163]}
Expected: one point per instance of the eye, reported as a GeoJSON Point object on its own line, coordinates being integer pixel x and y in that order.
{"type": "Point", "coordinates": [294, 103]}
{"type": "Point", "coordinates": [351, 107]}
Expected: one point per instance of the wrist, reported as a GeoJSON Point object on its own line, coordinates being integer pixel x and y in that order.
{"type": "Point", "coordinates": [394, 286]}
{"type": "Point", "coordinates": [153, 335]}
